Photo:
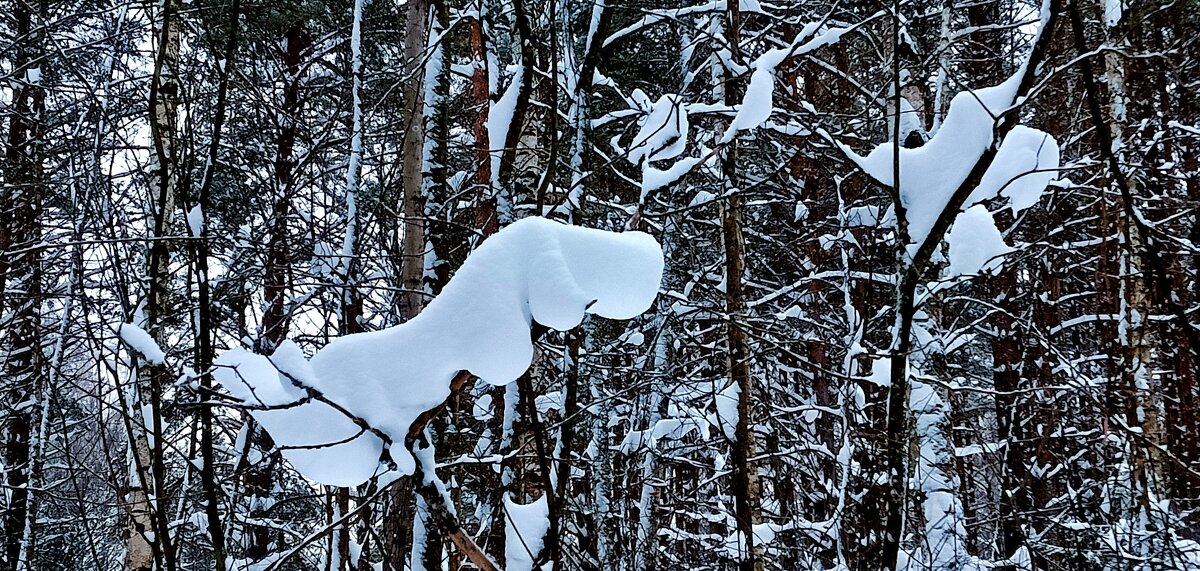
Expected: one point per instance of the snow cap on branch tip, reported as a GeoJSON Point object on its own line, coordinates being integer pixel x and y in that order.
{"type": "Point", "coordinates": [141, 342]}
{"type": "Point", "coordinates": [1025, 162]}
{"type": "Point", "coordinates": [525, 527]}
{"type": "Point", "coordinates": [533, 271]}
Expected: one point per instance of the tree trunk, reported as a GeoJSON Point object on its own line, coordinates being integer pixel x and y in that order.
{"type": "Point", "coordinates": [1006, 379]}
{"type": "Point", "coordinates": [412, 255]}
{"type": "Point", "coordinates": [514, 156]}
{"type": "Point", "coordinates": [486, 220]}
{"type": "Point", "coordinates": [259, 477]}
{"type": "Point", "coordinates": [21, 296]}
{"type": "Point", "coordinates": [204, 332]}
{"type": "Point", "coordinates": [411, 298]}
{"type": "Point", "coordinates": [148, 520]}
{"type": "Point", "coordinates": [745, 472]}
{"type": "Point", "coordinates": [276, 278]}
{"type": "Point", "coordinates": [1183, 403]}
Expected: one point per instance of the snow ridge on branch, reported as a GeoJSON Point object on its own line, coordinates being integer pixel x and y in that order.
{"type": "Point", "coordinates": [535, 270]}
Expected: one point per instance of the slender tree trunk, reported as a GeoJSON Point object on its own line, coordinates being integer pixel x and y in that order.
{"type": "Point", "coordinates": [984, 67]}
{"type": "Point", "coordinates": [260, 476]}
{"type": "Point", "coordinates": [351, 302]}
{"type": "Point", "coordinates": [412, 269]}
{"type": "Point", "coordinates": [1006, 379]}
{"type": "Point", "coordinates": [276, 278]}
{"type": "Point", "coordinates": [204, 333]}
{"type": "Point", "coordinates": [1183, 402]}
{"type": "Point", "coordinates": [745, 472]}
{"type": "Point", "coordinates": [511, 154]}
{"type": "Point", "coordinates": [486, 219]}
{"type": "Point", "coordinates": [1041, 362]}
{"type": "Point", "coordinates": [21, 294]}
{"type": "Point", "coordinates": [350, 306]}
{"type": "Point", "coordinates": [899, 424]}
{"type": "Point", "coordinates": [398, 524]}
{"type": "Point", "coordinates": [150, 519]}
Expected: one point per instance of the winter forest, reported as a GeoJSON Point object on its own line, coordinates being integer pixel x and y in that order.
{"type": "Point", "coordinates": [646, 285]}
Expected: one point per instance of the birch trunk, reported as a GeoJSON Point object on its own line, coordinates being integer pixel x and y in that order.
{"type": "Point", "coordinates": [148, 538]}
{"type": "Point", "coordinates": [1142, 406]}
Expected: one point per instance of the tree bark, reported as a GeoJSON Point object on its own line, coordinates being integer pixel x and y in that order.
{"type": "Point", "coordinates": [204, 332]}
{"type": "Point", "coordinates": [146, 519]}
{"type": "Point", "coordinates": [276, 277]}
{"type": "Point", "coordinates": [412, 255]}
{"type": "Point", "coordinates": [411, 298]}
{"type": "Point", "coordinates": [21, 199]}
{"type": "Point", "coordinates": [745, 472]}
{"type": "Point", "coordinates": [486, 220]}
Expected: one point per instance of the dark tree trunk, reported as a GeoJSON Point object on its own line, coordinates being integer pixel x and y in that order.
{"type": "Point", "coordinates": [21, 387]}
